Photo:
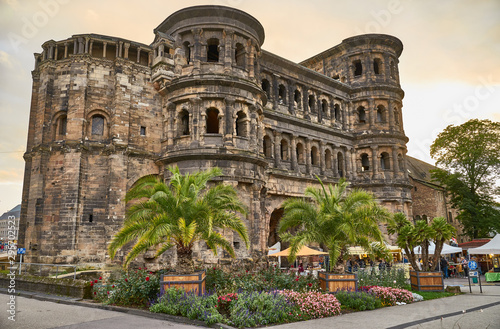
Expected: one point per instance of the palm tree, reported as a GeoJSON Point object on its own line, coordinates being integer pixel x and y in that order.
{"type": "Point", "coordinates": [178, 214]}
{"type": "Point", "coordinates": [336, 219]}
{"type": "Point", "coordinates": [443, 231]}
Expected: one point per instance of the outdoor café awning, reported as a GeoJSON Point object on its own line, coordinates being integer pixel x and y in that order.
{"type": "Point", "coordinates": [304, 251]}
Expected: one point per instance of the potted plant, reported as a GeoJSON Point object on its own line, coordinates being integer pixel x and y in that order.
{"type": "Point", "coordinates": [336, 219]}
{"type": "Point", "coordinates": [177, 215]}
{"type": "Point", "coordinates": [409, 236]}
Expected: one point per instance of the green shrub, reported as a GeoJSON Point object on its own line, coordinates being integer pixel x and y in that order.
{"type": "Point", "coordinates": [262, 308]}
{"type": "Point", "coordinates": [177, 302]}
{"type": "Point", "coordinates": [132, 288]}
{"type": "Point", "coordinates": [359, 301]}
{"type": "Point", "coordinates": [394, 277]}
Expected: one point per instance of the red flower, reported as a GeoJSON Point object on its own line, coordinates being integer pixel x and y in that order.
{"type": "Point", "coordinates": [95, 293]}
{"type": "Point", "coordinates": [91, 284]}
{"type": "Point", "coordinates": [126, 280]}
{"type": "Point", "coordinates": [139, 268]}
{"type": "Point", "coordinates": [297, 279]}
{"type": "Point", "coordinates": [145, 268]}
{"type": "Point", "coordinates": [108, 292]}
{"type": "Point", "coordinates": [95, 281]}
{"type": "Point", "coordinates": [150, 272]}
{"type": "Point", "coordinates": [113, 286]}
{"type": "Point", "coordinates": [310, 284]}
{"type": "Point", "coordinates": [147, 278]}
{"type": "Point", "coordinates": [100, 278]}
{"type": "Point", "coordinates": [247, 271]}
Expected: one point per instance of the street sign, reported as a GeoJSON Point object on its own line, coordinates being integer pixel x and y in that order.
{"type": "Point", "coordinates": [472, 265]}
{"type": "Point", "coordinates": [21, 251]}
{"type": "Point", "coordinates": [473, 273]}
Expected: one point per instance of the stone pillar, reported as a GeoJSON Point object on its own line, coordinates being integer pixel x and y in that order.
{"type": "Point", "coordinates": [65, 50]}
{"type": "Point", "coordinates": [371, 112]}
{"type": "Point", "coordinates": [319, 109]}
{"type": "Point", "coordinates": [104, 44]}
{"type": "Point", "coordinates": [250, 59]}
{"type": "Point", "coordinates": [277, 148]}
{"type": "Point", "coordinates": [293, 155]}
{"type": "Point", "coordinates": [170, 125]}
{"type": "Point", "coordinates": [75, 47]}
{"type": "Point", "coordinates": [274, 91]}
{"type": "Point", "coordinates": [87, 45]}
{"type": "Point", "coordinates": [291, 95]}
{"type": "Point", "coordinates": [126, 46]}
{"type": "Point", "coordinates": [335, 161]}
{"type": "Point", "coordinates": [91, 46]}
{"type": "Point", "coordinates": [197, 50]}
{"type": "Point", "coordinates": [308, 155]}
{"type": "Point", "coordinates": [390, 105]}
{"type": "Point", "coordinates": [138, 55]}
{"type": "Point", "coordinates": [229, 131]}
{"type": "Point", "coordinates": [375, 162]}
{"type": "Point", "coordinates": [305, 102]}
{"type": "Point", "coordinates": [350, 164]}
{"type": "Point", "coordinates": [228, 51]}
{"type": "Point", "coordinates": [322, 157]}
{"type": "Point", "coordinates": [395, 164]}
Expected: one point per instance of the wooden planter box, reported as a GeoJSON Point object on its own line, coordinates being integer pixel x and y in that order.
{"type": "Point", "coordinates": [190, 282]}
{"type": "Point", "coordinates": [427, 281]}
{"type": "Point", "coordinates": [331, 282]}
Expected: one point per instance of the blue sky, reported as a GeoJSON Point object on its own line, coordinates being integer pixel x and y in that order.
{"type": "Point", "coordinates": [449, 68]}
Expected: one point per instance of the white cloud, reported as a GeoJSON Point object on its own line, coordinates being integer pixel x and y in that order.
{"type": "Point", "coordinates": [5, 59]}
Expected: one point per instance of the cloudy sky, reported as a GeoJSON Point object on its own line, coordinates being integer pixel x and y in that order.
{"type": "Point", "coordinates": [449, 68]}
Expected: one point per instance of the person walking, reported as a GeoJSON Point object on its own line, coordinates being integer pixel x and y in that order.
{"type": "Point", "coordinates": [444, 267]}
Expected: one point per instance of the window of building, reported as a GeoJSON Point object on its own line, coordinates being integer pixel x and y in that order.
{"type": "Point", "coordinates": [212, 121]}
{"type": "Point", "coordinates": [241, 124]}
{"type": "Point", "coordinates": [98, 125]}
{"type": "Point", "coordinates": [328, 159]}
{"type": "Point", "coordinates": [239, 55]}
{"type": "Point", "coordinates": [381, 114]}
{"type": "Point", "coordinates": [143, 131]}
{"type": "Point", "coordinates": [62, 124]}
{"type": "Point", "coordinates": [450, 217]}
{"type": "Point", "coordinates": [324, 107]}
{"type": "Point", "coordinates": [284, 150]}
{"type": "Point", "coordinates": [361, 114]}
{"type": "Point", "coordinates": [314, 156]}
{"type": "Point", "coordinates": [400, 162]}
{"type": "Point", "coordinates": [396, 116]}
{"type": "Point", "coordinates": [184, 122]}
{"type": "Point", "coordinates": [297, 98]}
{"type": "Point", "coordinates": [365, 162]}
{"type": "Point", "coordinates": [377, 64]}
{"type": "Point", "coordinates": [266, 86]}
{"type": "Point", "coordinates": [336, 110]}
{"type": "Point", "coordinates": [358, 68]}
{"type": "Point", "coordinates": [282, 94]}
{"type": "Point", "coordinates": [267, 146]}
{"type": "Point", "coordinates": [385, 162]}
{"type": "Point", "coordinates": [300, 153]}
{"type": "Point", "coordinates": [213, 50]}
{"type": "Point", "coordinates": [187, 51]}
{"type": "Point", "coordinates": [312, 103]}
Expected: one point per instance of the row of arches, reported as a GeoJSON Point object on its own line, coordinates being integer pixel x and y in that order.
{"type": "Point", "coordinates": [377, 66]}
{"type": "Point", "coordinates": [97, 125]}
{"type": "Point", "coordinates": [212, 125]}
{"type": "Point", "coordinates": [379, 115]}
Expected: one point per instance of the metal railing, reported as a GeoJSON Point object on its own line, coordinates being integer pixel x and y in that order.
{"type": "Point", "coordinates": [20, 266]}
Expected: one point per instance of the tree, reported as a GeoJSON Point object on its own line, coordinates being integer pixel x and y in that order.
{"type": "Point", "coordinates": [469, 159]}
{"type": "Point", "coordinates": [335, 218]}
{"type": "Point", "coordinates": [421, 234]}
{"type": "Point", "coordinates": [178, 214]}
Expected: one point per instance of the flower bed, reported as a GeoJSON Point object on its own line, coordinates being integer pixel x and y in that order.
{"type": "Point", "coordinates": [389, 296]}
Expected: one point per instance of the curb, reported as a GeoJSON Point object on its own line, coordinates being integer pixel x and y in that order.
{"type": "Point", "coordinates": [87, 303]}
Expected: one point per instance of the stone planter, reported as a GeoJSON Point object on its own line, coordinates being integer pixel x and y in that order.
{"type": "Point", "coordinates": [331, 282]}
{"type": "Point", "coordinates": [426, 281]}
{"type": "Point", "coordinates": [190, 282]}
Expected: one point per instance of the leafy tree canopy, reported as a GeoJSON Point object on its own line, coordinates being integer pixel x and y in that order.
{"type": "Point", "coordinates": [469, 159]}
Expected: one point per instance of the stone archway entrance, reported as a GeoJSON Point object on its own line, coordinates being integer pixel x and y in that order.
{"type": "Point", "coordinates": [273, 227]}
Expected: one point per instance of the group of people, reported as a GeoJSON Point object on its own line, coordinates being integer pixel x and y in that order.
{"type": "Point", "coordinates": [355, 263]}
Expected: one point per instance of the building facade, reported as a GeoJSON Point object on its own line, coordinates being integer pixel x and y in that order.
{"type": "Point", "coordinates": [106, 111]}
{"type": "Point", "coordinates": [9, 226]}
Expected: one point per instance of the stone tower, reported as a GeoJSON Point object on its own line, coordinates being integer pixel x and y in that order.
{"type": "Point", "coordinates": [106, 111]}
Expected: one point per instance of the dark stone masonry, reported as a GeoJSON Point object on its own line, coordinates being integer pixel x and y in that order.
{"type": "Point", "coordinates": [106, 111]}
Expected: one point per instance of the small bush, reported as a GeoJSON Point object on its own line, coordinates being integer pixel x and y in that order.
{"type": "Point", "coordinates": [390, 296]}
{"type": "Point", "coordinates": [359, 301]}
{"type": "Point", "coordinates": [313, 304]}
{"type": "Point", "coordinates": [133, 288]}
{"type": "Point", "coordinates": [394, 277]}
{"type": "Point", "coordinates": [178, 302]}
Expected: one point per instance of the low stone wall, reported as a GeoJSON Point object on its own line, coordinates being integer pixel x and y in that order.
{"type": "Point", "coordinates": [52, 286]}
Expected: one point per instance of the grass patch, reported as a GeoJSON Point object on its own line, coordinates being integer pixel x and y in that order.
{"type": "Point", "coordinates": [428, 295]}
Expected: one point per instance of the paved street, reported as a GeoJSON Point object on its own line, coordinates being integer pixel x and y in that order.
{"type": "Point", "coordinates": [468, 311]}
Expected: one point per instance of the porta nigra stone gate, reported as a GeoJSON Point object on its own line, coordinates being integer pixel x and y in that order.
{"type": "Point", "coordinates": [106, 111]}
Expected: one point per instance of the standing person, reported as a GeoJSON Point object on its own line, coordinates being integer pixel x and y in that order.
{"type": "Point", "coordinates": [444, 267]}
{"type": "Point", "coordinates": [301, 268]}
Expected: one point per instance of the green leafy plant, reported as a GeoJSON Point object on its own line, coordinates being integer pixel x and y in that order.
{"type": "Point", "coordinates": [393, 277]}
{"type": "Point", "coordinates": [359, 301]}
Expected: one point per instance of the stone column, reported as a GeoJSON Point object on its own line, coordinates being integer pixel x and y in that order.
{"type": "Point", "coordinates": [335, 161]}
{"type": "Point", "coordinates": [87, 45]}
{"type": "Point", "coordinates": [291, 95]}
{"type": "Point", "coordinates": [171, 131]}
{"type": "Point", "coordinates": [104, 44]}
{"type": "Point", "coordinates": [196, 122]}
{"type": "Point", "coordinates": [305, 102]}
{"type": "Point", "coordinates": [229, 131]}
{"type": "Point", "coordinates": [138, 55]}
{"type": "Point", "coordinates": [75, 47]}
{"type": "Point", "coordinates": [390, 105]}
{"type": "Point", "coordinates": [293, 155]}
{"type": "Point", "coordinates": [91, 46]}
{"type": "Point", "coordinates": [228, 51]}
{"type": "Point", "coordinates": [322, 157]}
{"type": "Point", "coordinates": [375, 162]}
{"type": "Point", "coordinates": [250, 60]}
{"type": "Point", "coordinates": [274, 91]}
{"type": "Point", "coordinates": [319, 109]}
{"type": "Point", "coordinates": [65, 50]}
{"type": "Point", "coordinates": [372, 113]}
{"type": "Point", "coordinates": [350, 164]}
{"type": "Point", "coordinates": [308, 155]}
{"type": "Point", "coordinates": [197, 50]}
{"type": "Point", "coordinates": [395, 164]}
{"type": "Point", "coordinates": [277, 148]}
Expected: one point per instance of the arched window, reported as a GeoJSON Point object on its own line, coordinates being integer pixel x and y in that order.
{"type": "Point", "coordinates": [282, 94]}
{"type": "Point", "coordinates": [268, 147]}
{"type": "Point", "coordinates": [365, 162]}
{"type": "Point", "coordinates": [336, 109]}
{"type": "Point", "coordinates": [358, 68]}
{"type": "Point", "coordinates": [380, 114]}
{"type": "Point", "coordinates": [324, 107]}
{"type": "Point", "coordinates": [284, 150]}
{"type": "Point", "coordinates": [297, 98]}
{"type": "Point", "coordinates": [241, 124]}
{"type": "Point", "coordinates": [239, 55]}
{"type": "Point", "coordinates": [385, 162]}
{"type": "Point", "coordinates": [314, 156]}
{"type": "Point", "coordinates": [184, 123]}
{"type": "Point", "coordinates": [328, 159]}
{"type": "Point", "coordinates": [212, 121]}
{"type": "Point", "coordinates": [300, 153]}
{"type": "Point", "coordinates": [187, 51]}
{"type": "Point", "coordinates": [377, 65]}
{"type": "Point", "coordinates": [361, 114]}
{"type": "Point", "coordinates": [98, 125]}
{"type": "Point", "coordinates": [312, 103]}
{"type": "Point", "coordinates": [266, 86]}
{"type": "Point", "coordinates": [213, 50]}
{"type": "Point", "coordinates": [340, 164]}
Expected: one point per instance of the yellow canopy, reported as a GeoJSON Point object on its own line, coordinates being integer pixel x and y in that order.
{"type": "Point", "coordinates": [304, 251]}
